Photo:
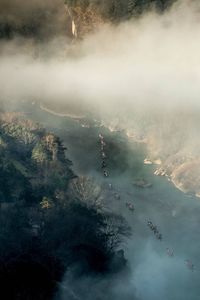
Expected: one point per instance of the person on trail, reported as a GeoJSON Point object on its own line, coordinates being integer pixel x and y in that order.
{"type": "Point", "coordinates": [130, 206]}
{"type": "Point", "coordinates": [103, 155]}
{"type": "Point", "coordinates": [103, 143]}
{"type": "Point", "coordinates": [159, 236]}
{"type": "Point", "coordinates": [103, 165]}
{"type": "Point", "coordinates": [153, 227]}
{"type": "Point", "coordinates": [149, 224]}
{"type": "Point", "coordinates": [110, 186]}
{"type": "Point", "coordinates": [169, 252]}
{"type": "Point", "coordinates": [105, 173]}
{"type": "Point", "coordinates": [155, 230]}
{"type": "Point", "coordinates": [189, 264]}
{"type": "Point", "coordinates": [117, 196]}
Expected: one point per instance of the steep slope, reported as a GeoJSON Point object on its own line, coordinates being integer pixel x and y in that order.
{"type": "Point", "coordinates": [49, 19]}
{"type": "Point", "coordinates": [33, 161]}
{"type": "Point", "coordinates": [172, 142]}
{"type": "Point", "coordinates": [45, 227]}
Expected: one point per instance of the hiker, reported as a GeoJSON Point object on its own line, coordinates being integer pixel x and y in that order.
{"type": "Point", "coordinates": [105, 173]}
{"type": "Point", "coordinates": [169, 252]}
{"type": "Point", "coordinates": [117, 196]}
{"type": "Point", "coordinates": [103, 154]}
{"type": "Point", "coordinates": [130, 206]}
{"type": "Point", "coordinates": [110, 186]}
{"type": "Point", "coordinates": [189, 265]}
{"type": "Point", "coordinates": [103, 165]}
{"type": "Point", "coordinates": [159, 236]}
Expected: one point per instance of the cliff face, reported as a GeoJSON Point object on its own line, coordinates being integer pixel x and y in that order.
{"type": "Point", "coordinates": [183, 169]}
{"type": "Point", "coordinates": [86, 20]}
{"type": "Point", "coordinates": [174, 142]}
{"type": "Point", "coordinates": [90, 15]}
{"type": "Point", "coordinates": [186, 177]}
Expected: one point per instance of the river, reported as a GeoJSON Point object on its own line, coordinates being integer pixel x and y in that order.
{"type": "Point", "coordinates": [154, 275]}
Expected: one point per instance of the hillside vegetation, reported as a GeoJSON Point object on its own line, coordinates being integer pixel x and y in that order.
{"type": "Point", "coordinates": [50, 19]}
{"type": "Point", "coordinates": [120, 9]}
{"type": "Point", "coordinates": [48, 221]}
{"type": "Point", "coordinates": [32, 160]}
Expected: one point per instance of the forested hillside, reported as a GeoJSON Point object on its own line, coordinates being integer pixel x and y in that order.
{"type": "Point", "coordinates": [33, 162]}
{"type": "Point", "coordinates": [123, 9]}
{"type": "Point", "coordinates": [33, 19]}
{"type": "Point", "coordinates": [48, 222]}
{"type": "Point", "coordinates": [50, 19]}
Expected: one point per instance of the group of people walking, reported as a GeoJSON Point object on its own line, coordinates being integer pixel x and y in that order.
{"type": "Point", "coordinates": [104, 157]}
{"type": "Point", "coordinates": [154, 228]}
{"type": "Point", "coordinates": [104, 164]}
{"type": "Point", "coordinates": [170, 252]}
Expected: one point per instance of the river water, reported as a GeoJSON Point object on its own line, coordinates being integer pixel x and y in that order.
{"type": "Point", "coordinates": [154, 275]}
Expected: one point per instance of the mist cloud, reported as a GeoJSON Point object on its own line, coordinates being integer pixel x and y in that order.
{"type": "Point", "coordinates": [149, 67]}
{"type": "Point", "coordinates": [150, 62]}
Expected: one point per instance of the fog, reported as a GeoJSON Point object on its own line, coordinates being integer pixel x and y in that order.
{"type": "Point", "coordinates": [147, 68]}
{"type": "Point", "coordinates": [140, 75]}
{"type": "Point", "coordinates": [149, 63]}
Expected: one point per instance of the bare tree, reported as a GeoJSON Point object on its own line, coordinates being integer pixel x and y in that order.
{"type": "Point", "coordinates": [86, 190]}
{"type": "Point", "coordinates": [115, 229]}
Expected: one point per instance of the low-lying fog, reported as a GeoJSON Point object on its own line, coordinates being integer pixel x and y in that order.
{"type": "Point", "coordinates": [141, 74]}
{"type": "Point", "coordinates": [149, 63]}
{"type": "Point", "coordinates": [153, 273]}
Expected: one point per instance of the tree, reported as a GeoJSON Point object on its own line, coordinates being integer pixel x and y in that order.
{"type": "Point", "coordinates": [115, 229]}
{"type": "Point", "coordinates": [131, 6]}
{"type": "Point", "coordinates": [46, 203]}
{"type": "Point", "coordinates": [87, 191]}
{"type": "Point", "coordinates": [40, 154]}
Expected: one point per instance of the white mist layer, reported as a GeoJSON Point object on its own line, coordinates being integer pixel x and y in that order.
{"type": "Point", "coordinates": [147, 63]}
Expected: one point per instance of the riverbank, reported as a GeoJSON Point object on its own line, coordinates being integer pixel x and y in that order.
{"type": "Point", "coordinates": [62, 115]}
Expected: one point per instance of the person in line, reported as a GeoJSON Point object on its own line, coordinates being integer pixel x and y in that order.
{"type": "Point", "coordinates": [105, 173]}
{"type": "Point", "coordinates": [189, 264]}
{"type": "Point", "coordinates": [169, 252]}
